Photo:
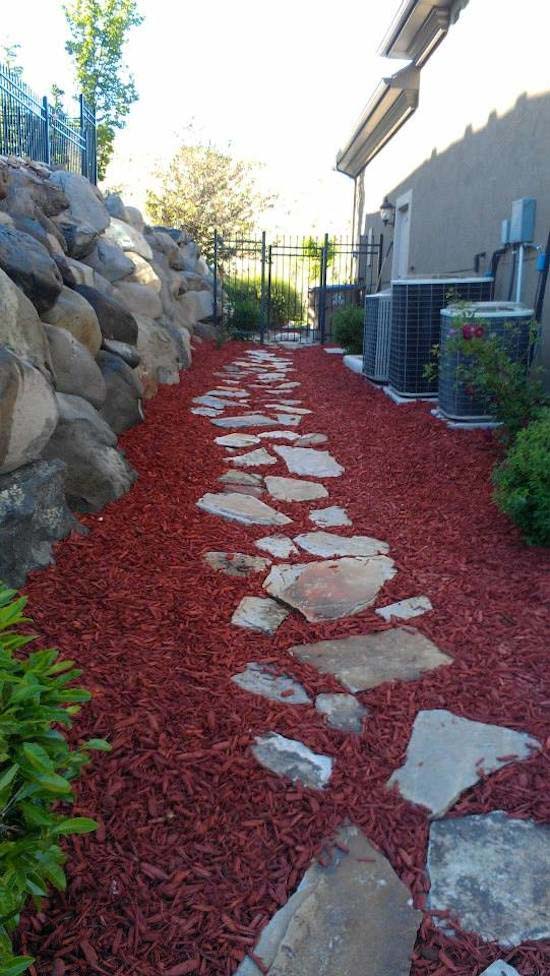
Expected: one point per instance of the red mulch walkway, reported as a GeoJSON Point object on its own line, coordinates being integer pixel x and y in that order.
{"type": "Point", "coordinates": [198, 844]}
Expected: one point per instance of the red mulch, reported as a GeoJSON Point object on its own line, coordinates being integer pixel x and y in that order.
{"type": "Point", "coordinates": [199, 845]}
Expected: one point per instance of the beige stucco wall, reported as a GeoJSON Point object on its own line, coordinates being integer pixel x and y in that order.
{"type": "Point", "coordinates": [479, 139]}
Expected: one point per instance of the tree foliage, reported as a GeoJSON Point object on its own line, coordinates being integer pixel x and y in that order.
{"type": "Point", "coordinates": [98, 30]}
{"type": "Point", "coordinates": [204, 189]}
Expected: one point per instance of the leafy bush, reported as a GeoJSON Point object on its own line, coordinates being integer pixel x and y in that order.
{"type": "Point", "coordinates": [285, 304]}
{"type": "Point", "coordinates": [245, 314]}
{"type": "Point", "coordinates": [36, 770]}
{"type": "Point", "coordinates": [347, 325]}
{"type": "Point", "coordinates": [522, 481]}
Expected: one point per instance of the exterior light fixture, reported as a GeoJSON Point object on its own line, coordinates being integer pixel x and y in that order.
{"type": "Point", "coordinates": [387, 212]}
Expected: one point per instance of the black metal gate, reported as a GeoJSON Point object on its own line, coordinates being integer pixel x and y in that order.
{"type": "Point", "coordinates": [290, 287]}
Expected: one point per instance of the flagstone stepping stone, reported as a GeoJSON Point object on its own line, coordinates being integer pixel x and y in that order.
{"type": "Point", "coordinates": [308, 461]}
{"type": "Point", "coordinates": [414, 606]}
{"type": "Point", "coordinates": [241, 478]}
{"type": "Point", "coordinates": [293, 759]}
{"type": "Point", "coordinates": [368, 660]}
{"type": "Point", "coordinates": [262, 680]}
{"type": "Point", "coordinates": [241, 508]}
{"type": "Point", "coordinates": [238, 394]}
{"type": "Point", "coordinates": [334, 350]}
{"type": "Point", "coordinates": [350, 916]}
{"type": "Point", "coordinates": [288, 419]}
{"type": "Point", "coordinates": [330, 589]}
{"type": "Point", "coordinates": [282, 408]}
{"type": "Point", "coordinates": [330, 544]}
{"type": "Point", "coordinates": [448, 754]}
{"type": "Point", "coordinates": [251, 490]}
{"type": "Point", "coordinates": [327, 517]}
{"type": "Point", "coordinates": [236, 563]}
{"type": "Point", "coordinates": [206, 412]}
{"type": "Point", "coordinates": [245, 420]}
{"type": "Point", "coordinates": [500, 968]}
{"type": "Point", "coordinates": [210, 401]}
{"type": "Point", "coordinates": [491, 871]}
{"type": "Point", "coordinates": [237, 440]}
{"type": "Point", "coordinates": [310, 440]}
{"type": "Point", "coordinates": [277, 545]}
{"type": "Point", "coordinates": [253, 459]}
{"type": "Point", "coordinates": [341, 711]}
{"type": "Point", "coordinates": [259, 613]}
{"type": "Point", "coordinates": [279, 435]}
{"type": "Point", "coordinates": [294, 490]}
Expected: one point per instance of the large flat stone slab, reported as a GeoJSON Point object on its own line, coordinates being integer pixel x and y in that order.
{"type": "Point", "coordinates": [500, 968]}
{"type": "Point", "coordinates": [277, 545]}
{"type": "Point", "coordinates": [241, 478]}
{"type": "Point", "coordinates": [491, 871]}
{"type": "Point", "coordinates": [447, 754]}
{"type": "Point", "coordinates": [368, 660]}
{"type": "Point", "coordinates": [341, 711]}
{"type": "Point", "coordinates": [259, 679]}
{"type": "Point", "coordinates": [283, 408]}
{"type": "Point", "coordinates": [279, 435]}
{"type": "Point", "coordinates": [233, 394]}
{"type": "Point", "coordinates": [331, 589]}
{"type": "Point", "coordinates": [288, 419]}
{"type": "Point", "coordinates": [350, 916]}
{"type": "Point", "coordinates": [329, 544]}
{"type": "Point", "coordinates": [328, 517]}
{"type": "Point", "coordinates": [290, 758]}
{"type": "Point", "coordinates": [414, 606]}
{"type": "Point", "coordinates": [210, 401]}
{"type": "Point", "coordinates": [241, 508]}
{"type": "Point", "coordinates": [310, 462]}
{"type": "Point", "coordinates": [206, 412]}
{"type": "Point", "coordinates": [294, 490]}
{"type": "Point", "coordinates": [236, 563]}
{"type": "Point", "coordinates": [259, 613]}
{"type": "Point", "coordinates": [244, 420]}
{"type": "Point", "coordinates": [310, 440]}
{"type": "Point", "coordinates": [253, 459]}
{"type": "Point", "coordinates": [237, 440]}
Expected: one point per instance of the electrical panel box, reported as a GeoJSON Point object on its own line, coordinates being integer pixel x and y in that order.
{"type": "Point", "coordinates": [522, 224]}
{"type": "Point", "coordinates": [505, 232]}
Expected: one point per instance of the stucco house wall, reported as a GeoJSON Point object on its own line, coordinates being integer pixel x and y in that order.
{"type": "Point", "coordinates": [479, 139]}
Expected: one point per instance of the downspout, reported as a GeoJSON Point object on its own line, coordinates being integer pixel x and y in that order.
{"type": "Point", "coordinates": [354, 211]}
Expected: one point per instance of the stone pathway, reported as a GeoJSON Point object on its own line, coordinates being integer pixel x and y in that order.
{"type": "Point", "coordinates": [350, 913]}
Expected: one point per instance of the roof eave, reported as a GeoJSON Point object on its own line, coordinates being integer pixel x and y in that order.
{"type": "Point", "coordinates": [416, 31]}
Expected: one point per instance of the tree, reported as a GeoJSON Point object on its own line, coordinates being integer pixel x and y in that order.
{"type": "Point", "coordinates": [204, 189]}
{"type": "Point", "coordinates": [98, 31]}
{"type": "Point", "coordinates": [10, 56]}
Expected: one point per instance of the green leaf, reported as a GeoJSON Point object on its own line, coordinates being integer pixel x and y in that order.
{"type": "Point", "coordinates": [17, 965]}
{"type": "Point", "coordinates": [99, 745]}
{"type": "Point", "coordinates": [56, 875]}
{"type": "Point", "coordinates": [8, 776]}
{"type": "Point", "coordinates": [75, 825]}
{"type": "Point", "coordinates": [37, 757]}
{"type": "Point", "coordinates": [53, 783]}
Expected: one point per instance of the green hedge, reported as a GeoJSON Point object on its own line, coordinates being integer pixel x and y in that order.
{"type": "Point", "coordinates": [286, 304]}
{"type": "Point", "coordinates": [347, 327]}
{"type": "Point", "coordinates": [37, 697]}
{"type": "Point", "coordinates": [522, 481]}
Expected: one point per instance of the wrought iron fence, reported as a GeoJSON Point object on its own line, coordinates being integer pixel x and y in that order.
{"type": "Point", "coordinates": [31, 126]}
{"type": "Point", "coordinates": [289, 288]}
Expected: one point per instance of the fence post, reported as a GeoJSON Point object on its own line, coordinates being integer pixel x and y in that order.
{"type": "Point", "coordinates": [215, 276]}
{"type": "Point", "coordinates": [47, 146]}
{"type": "Point", "coordinates": [323, 289]}
{"type": "Point", "coordinates": [262, 299]}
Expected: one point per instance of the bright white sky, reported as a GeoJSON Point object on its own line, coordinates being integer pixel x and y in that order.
{"type": "Point", "coordinates": [284, 82]}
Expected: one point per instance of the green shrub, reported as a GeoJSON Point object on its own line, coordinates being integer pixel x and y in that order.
{"type": "Point", "coordinates": [245, 314]}
{"type": "Point", "coordinates": [522, 481]}
{"type": "Point", "coordinates": [285, 301]}
{"type": "Point", "coordinates": [36, 769]}
{"type": "Point", "coordinates": [347, 326]}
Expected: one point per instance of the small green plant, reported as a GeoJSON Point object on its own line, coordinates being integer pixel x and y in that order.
{"type": "Point", "coordinates": [283, 301]}
{"type": "Point", "coordinates": [37, 700]}
{"type": "Point", "coordinates": [348, 328]}
{"type": "Point", "coordinates": [522, 481]}
{"type": "Point", "coordinates": [245, 314]}
{"type": "Point", "coordinates": [491, 370]}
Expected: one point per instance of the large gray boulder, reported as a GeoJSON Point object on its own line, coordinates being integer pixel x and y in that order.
{"type": "Point", "coordinates": [116, 207]}
{"type": "Point", "coordinates": [96, 472]}
{"type": "Point", "coordinates": [75, 369]}
{"type": "Point", "coordinates": [182, 341]}
{"type": "Point", "coordinates": [109, 260]}
{"type": "Point", "coordinates": [122, 408]}
{"type": "Point", "coordinates": [127, 353]}
{"type": "Point", "coordinates": [197, 305]}
{"type": "Point", "coordinates": [30, 266]}
{"type": "Point", "coordinates": [83, 274]}
{"type": "Point", "coordinates": [20, 327]}
{"type": "Point", "coordinates": [85, 219]}
{"type": "Point", "coordinates": [28, 412]}
{"type": "Point", "coordinates": [115, 321]}
{"type": "Point", "coordinates": [143, 272]}
{"type": "Point", "coordinates": [33, 515]}
{"type": "Point", "coordinates": [75, 314]}
{"type": "Point", "coordinates": [158, 351]}
{"type": "Point", "coordinates": [139, 299]}
{"type": "Point", "coordinates": [128, 238]}
{"type": "Point", "coordinates": [135, 218]}
{"type": "Point", "coordinates": [190, 254]}
{"type": "Point", "coordinates": [162, 243]}
{"type": "Point", "coordinates": [25, 190]}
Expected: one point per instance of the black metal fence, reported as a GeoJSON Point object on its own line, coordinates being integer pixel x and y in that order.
{"type": "Point", "coordinates": [31, 126]}
{"type": "Point", "coordinates": [289, 288]}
